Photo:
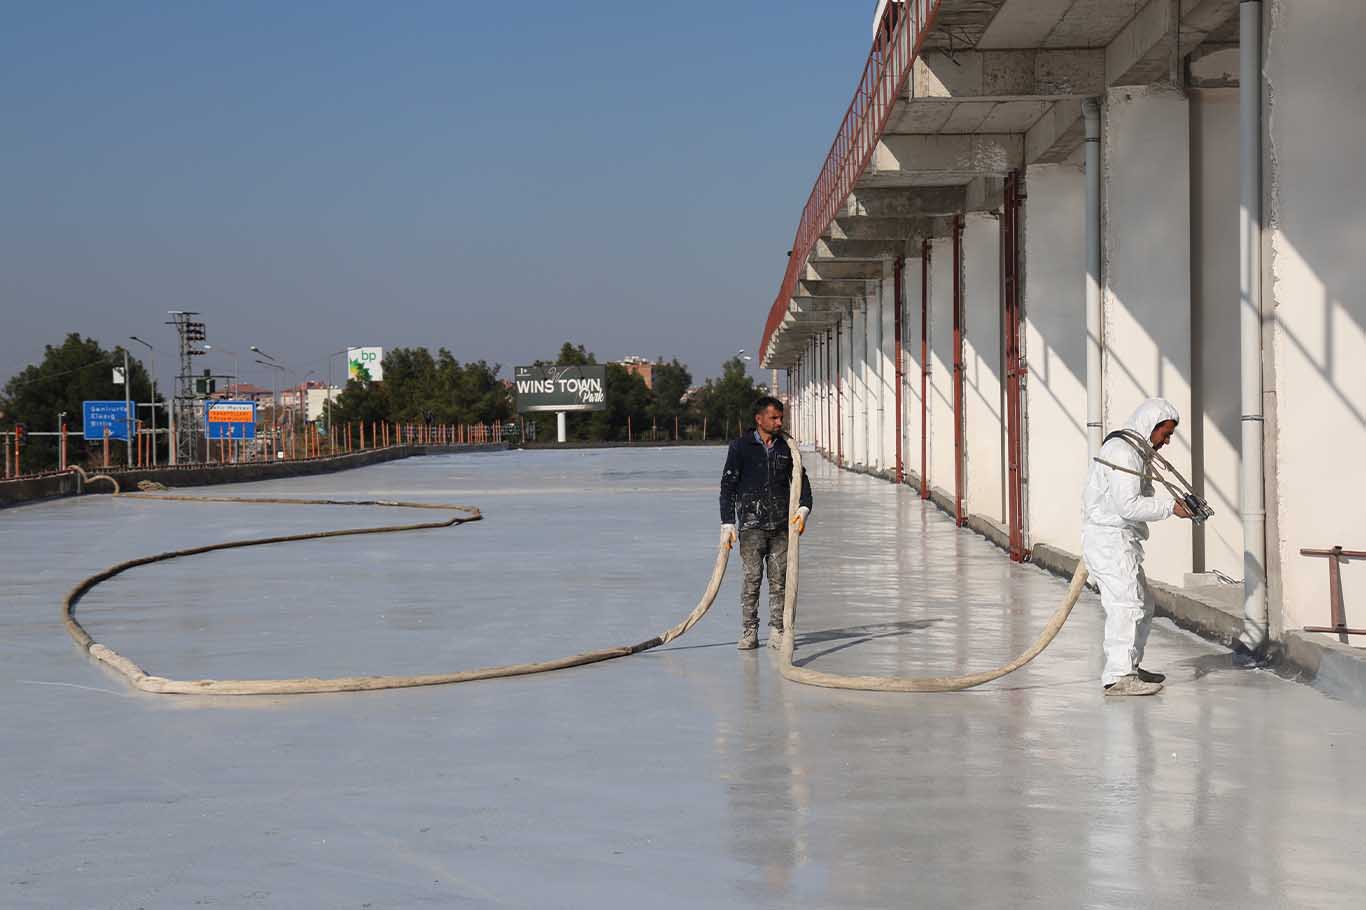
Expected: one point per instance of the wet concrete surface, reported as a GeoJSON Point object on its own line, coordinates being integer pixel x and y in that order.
{"type": "Point", "coordinates": [689, 776]}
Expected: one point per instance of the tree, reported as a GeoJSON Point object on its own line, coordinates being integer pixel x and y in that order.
{"type": "Point", "coordinates": [726, 402]}
{"type": "Point", "coordinates": [628, 398]}
{"type": "Point", "coordinates": [671, 382]}
{"type": "Point", "coordinates": [76, 370]}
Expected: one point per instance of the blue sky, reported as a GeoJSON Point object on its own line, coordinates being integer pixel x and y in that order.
{"type": "Point", "coordinates": [494, 178]}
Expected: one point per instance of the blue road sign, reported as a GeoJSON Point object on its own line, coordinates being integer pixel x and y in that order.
{"type": "Point", "coordinates": [230, 419]}
{"type": "Point", "coordinates": [97, 416]}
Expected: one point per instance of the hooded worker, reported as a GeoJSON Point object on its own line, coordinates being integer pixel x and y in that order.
{"type": "Point", "coordinates": [1117, 507]}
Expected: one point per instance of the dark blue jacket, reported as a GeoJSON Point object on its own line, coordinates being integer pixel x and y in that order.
{"type": "Point", "coordinates": [755, 482]}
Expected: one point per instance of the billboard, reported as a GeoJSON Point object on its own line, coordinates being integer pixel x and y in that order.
{"type": "Point", "coordinates": [230, 419]}
{"type": "Point", "coordinates": [561, 388]}
{"type": "Point", "coordinates": [97, 416]}
{"type": "Point", "coordinates": [365, 364]}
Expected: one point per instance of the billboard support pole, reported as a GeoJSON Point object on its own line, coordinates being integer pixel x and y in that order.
{"type": "Point", "coordinates": [559, 426]}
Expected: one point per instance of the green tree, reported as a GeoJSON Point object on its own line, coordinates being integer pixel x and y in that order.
{"type": "Point", "coordinates": [671, 382]}
{"type": "Point", "coordinates": [76, 370]}
{"type": "Point", "coordinates": [627, 398]}
{"type": "Point", "coordinates": [726, 402]}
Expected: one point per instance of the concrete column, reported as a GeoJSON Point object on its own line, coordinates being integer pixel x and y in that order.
{"type": "Point", "coordinates": [1147, 294]}
{"type": "Point", "coordinates": [858, 386]}
{"type": "Point", "coordinates": [873, 378]}
{"type": "Point", "coordinates": [847, 380]}
{"type": "Point", "coordinates": [886, 357]}
{"type": "Point", "coordinates": [941, 426]}
{"type": "Point", "coordinates": [1054, 270]}
{"type": "Point", "coordinates": [913, 429]}
{"type": "Point", "coordinates": [983, 380]}
{"type": "Point", "coordinates": [1314, 379]}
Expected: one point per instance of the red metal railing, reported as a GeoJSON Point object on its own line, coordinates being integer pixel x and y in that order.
{"type": "Point", "coordinates": [897, 43]}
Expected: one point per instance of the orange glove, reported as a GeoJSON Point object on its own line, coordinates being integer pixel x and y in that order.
{"type": "Point", "coordinates": [800, 520]}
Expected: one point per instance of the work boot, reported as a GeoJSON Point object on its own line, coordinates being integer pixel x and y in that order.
{"type": "Point", "coordinates": [1149, 676]}
{"type": "Point", "coordinates": [749, 640]}
{"type": "Point", "coordinates": [1132, 685]}
{"type": "Point", "coordinates": [775, 639]}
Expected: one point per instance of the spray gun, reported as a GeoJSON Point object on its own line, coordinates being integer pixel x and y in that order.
{"type": "Point", "coordinates": [1180, 487]}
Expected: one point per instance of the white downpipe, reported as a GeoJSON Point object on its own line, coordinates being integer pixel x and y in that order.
{"type": "Point", "coordinates": [1090, 109]}
{"type": "Point", "coordinates": [559, 426]}
{"type": "Point", "coordinates": [1252, 493]}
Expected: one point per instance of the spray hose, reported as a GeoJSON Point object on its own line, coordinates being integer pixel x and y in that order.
{"type": "Point", "coordinates": [143, 681]}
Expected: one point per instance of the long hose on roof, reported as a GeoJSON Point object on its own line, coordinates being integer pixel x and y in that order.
{"type": "Point", "coordinates": [146, 682]}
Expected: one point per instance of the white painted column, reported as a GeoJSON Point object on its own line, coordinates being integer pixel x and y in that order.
{"type": "Point", "coordinates": [859, 386]}
{"type": "Point", "coordinates": [913, 432]}
{"type": "Point", "coordinates": [983, 380]}
{"type": "Point", "coordinates": [887, 361]}
{"type": "Point", "coordinates": [847, 376]}
{"type": "Point", "coordinates": [941, 428]}
{"type": "Point", "coordinates": [1056, 457]}
{"type": "Point", "coordinates": [876, 400]}
{"type": "Point", "coordinates": [1147, 294]}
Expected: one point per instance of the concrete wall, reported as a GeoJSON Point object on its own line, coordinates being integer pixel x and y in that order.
{"type": "Point", "coordinates": [912, 427]}
{"type": "Point", "coordinates": [887, 355]}
{"type": "Point", "coordinates": [1317, 235]}
{"type": "Point", "coordinates": [1147, 292]}
{"type": "Point", "coordinates": [858, 386]}
{"type": "Point", "coordinates": [941, 471]}
{"type": "Point", "coordinates": [1054, 274]}
{"type": "Point", "coordinates": [845, 407]}
{"type": "Point", "coordinates": [1214, 425]}
{"type": "Point", "coordinates": [982, 377]}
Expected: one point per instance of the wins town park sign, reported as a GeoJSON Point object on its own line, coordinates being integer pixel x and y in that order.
{"type": "Point", "coordinates": [561, 388]}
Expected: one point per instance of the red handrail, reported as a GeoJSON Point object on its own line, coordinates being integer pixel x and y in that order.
{"type": "Point", "coordinates": [899, 36]}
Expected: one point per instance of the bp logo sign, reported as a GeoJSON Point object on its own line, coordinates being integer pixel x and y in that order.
{"type": "Point", "coordinates": [561, 388]}
{"type": "Point", "coordinates": [365, 364]}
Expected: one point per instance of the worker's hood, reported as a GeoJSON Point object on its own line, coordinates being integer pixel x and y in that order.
{"type": "Point", "coordinates": [1149, 414]}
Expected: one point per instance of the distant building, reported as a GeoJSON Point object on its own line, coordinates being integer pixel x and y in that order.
{"type": "Point", "coordinates": [639, 366]}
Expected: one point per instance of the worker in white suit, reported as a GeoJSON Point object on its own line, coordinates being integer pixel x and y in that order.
{"type": "Point", "coordinates": [1116, 510]}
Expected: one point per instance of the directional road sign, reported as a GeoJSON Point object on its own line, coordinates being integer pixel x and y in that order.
{"type": "Point", "coordinates": [97, 416]}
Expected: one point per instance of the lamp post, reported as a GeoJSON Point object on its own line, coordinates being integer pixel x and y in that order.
{"type": "Point", "coordinates": [128, 422]}
{"type": "Point", "coordinates": [154, 394]}
{"type": "Point", "coordinates": [274, 402]}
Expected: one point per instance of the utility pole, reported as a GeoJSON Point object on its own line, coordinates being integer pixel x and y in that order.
{"type": "Point", "coordinates": [185, 446]}
{"type": "Point", "coordinates": [154, 394]}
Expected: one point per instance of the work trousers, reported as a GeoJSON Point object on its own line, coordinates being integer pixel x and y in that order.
{"type": "Point", "coordinates": [1114, 561]}
{"type": "Point", "coordinates": [758, 548]}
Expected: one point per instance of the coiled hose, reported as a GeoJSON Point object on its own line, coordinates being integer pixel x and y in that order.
{"type": "Point", "coordinates": [146, 682]}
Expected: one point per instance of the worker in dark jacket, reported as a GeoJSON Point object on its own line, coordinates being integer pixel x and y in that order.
{"type": "Point", "coordinates": [754, 506]}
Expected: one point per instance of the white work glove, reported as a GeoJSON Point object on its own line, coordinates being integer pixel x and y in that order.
{"type": "Point", "coordinates": [800, 520]}
{"type": "Point", "coordinates": [728, 536]}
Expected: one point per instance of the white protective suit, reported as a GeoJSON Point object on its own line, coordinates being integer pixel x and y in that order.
{"type": "Point", "coordinates": [1116, 509]}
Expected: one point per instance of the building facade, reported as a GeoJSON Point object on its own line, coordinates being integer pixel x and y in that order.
{"type": "Point", "coordinates": [1040, 212]}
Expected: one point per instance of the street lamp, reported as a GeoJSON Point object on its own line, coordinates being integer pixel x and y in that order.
{"type": "Point", "coordinates": [154, 394]}
{"type": "Point", "coordinates": [274, 400]}
{"type": "Point", "coordinates": [236, 382]}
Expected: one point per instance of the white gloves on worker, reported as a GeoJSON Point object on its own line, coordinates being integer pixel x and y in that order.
{"type": "Point", "coordinates": [800, 519]}
{"type": "Point", "coordinates": [728, 536]}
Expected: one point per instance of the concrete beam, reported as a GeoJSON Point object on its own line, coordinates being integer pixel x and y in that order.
{"type": "Point", "coordinates": [844, 287]}
{"type": "Point", "coordinates": [827, 248]}
{"type": "Point", "coordinates": [905, 202]}
{"type": "Point", "coordinates": [944, 158]}
{"type": "Point", "coordinates": [805, 303]}
{"type": "Point", "coordinates": [863, 227]}
{"type": "Point", "coordinates": [1014, 75]}
{"type": "Point", "coordinates": [1153, 46]}
{"type": "Point", "coordinates": [833, 269]}
{"type": "Point", "coordinates": [1055, 137]}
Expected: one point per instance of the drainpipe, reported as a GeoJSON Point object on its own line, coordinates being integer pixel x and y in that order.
{"type": "Point", "coordinates": [1090, 109]}
{"type": "Point", "coordinates": [1255, 616]}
